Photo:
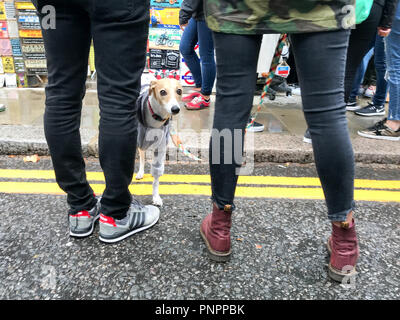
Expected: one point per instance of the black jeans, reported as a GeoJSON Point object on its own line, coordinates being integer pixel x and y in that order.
{"type": "Point", "coordinates": [321, 77]}
{"type": "Point", "coordinates": [119, 30]}
{"type": "Point", "coordinates": [360, 42]}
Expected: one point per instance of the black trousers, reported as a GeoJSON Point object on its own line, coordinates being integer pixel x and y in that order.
{"type": "Point", "coordinates": [321, 77]}
{"type": "Point", "coordinates": [119, 30]}
{"type": "Point", "coordinates": [359, 44]}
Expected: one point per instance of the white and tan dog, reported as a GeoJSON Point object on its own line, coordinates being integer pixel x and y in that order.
{"type": "Point", "coordinates": [158, 101]}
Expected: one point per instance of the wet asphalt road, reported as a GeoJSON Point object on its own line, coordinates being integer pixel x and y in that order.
{"type": "Point", "coordinates": [278, 248]}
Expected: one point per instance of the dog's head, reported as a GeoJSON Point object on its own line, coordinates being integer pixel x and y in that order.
{"type": "Point", "coordinates": [168, 95]}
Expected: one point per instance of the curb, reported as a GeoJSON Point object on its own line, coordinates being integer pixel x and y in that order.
{"type": "Point", "coordinates": [90, 149]}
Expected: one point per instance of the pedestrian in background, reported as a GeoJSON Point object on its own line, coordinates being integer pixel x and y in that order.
{"type": "Point", "coordinates": [389, 128]}
{"type": "Point", "coordinates": [195, 30]}
{"type": "Point", "coordinates": [365, 36]}
{"type": "Point", "coordinates": [319, 37]}
{"type": "Point", "coordinates": [119, 32]}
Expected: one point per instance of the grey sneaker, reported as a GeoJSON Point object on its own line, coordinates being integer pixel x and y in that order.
{"type": "Point", "coordinates": [82, 223]}
{"type": "Point", "coordinates": [138, 218]}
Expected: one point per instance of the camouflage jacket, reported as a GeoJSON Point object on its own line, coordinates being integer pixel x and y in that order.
{"type": "Point", "coordinates": [278, 16]}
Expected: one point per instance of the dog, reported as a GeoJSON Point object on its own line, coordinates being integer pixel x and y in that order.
{"type": "Point", "coordinates": [158, 101]}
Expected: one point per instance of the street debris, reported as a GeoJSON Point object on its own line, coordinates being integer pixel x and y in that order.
{"type": "Point", "coordinates": [35, 158]}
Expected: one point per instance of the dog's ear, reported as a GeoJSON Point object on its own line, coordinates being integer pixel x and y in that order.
{"type": "Point", "coordinates": [153, 84]}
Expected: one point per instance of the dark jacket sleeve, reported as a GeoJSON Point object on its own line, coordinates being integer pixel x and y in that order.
{"type": "Point", "coordinates": [188, 8]}
{"type": "Point", "coordinates": [388, 13]}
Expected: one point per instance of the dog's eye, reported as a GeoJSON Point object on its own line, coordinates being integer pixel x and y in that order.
{"type": "Point", "coordinates": [179, 92]}
{"type": "Point", "coordinates": [163, 93]}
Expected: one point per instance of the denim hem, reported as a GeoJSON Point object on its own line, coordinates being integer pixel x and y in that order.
{"type": "Point", "coordinates": [221, 205]}
{"type": "Point", "coordinates": [340, 216]}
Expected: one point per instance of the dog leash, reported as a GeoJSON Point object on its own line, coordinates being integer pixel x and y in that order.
{"type": "Point", "coordinates": [270, 76]}
{"type": "Point", "coordinates": [274, 65]}
{"type": "Point", "coordinates": [178, 143]}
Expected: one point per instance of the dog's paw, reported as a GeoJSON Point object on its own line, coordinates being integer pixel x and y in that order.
{"type": "Point", "coordinates": [139, 176]}
{"type": "Point", "coordinates": [157, 201]}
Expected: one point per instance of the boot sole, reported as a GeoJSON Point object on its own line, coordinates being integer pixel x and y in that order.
{"type": "Point", "coordinates": [215, 255]}
{"type": "Point", "coordinates": [194, 109]}
{"type": "Point", "coordinates": [338, 275]}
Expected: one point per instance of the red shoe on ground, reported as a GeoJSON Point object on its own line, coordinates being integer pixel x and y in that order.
{"type": "Point", "coordinates": [215, 231]}
{"type": "Point", "coordinates": [198, 103]}
{"type": "Point", "coordinates": [191, 96]}
{"type": "Point", "coordinates": [344, 251]}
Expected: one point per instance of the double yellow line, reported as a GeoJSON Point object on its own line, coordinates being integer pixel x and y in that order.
{"type": "Point", "coordinates": [179, 184]}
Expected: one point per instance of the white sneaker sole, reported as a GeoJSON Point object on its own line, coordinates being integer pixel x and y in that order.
{"type": "Point", "coordinates": [307, 140]}
{"type": "Point", "coordinates": [129, 233]}
{"type": "Point", "coordinates": [82, 235]}
{"type": "Point", "coordinates": [370, 114]}
{"type": "Point", "coordinates": [378, 137]}
{"type": "Point", "coordinates": [257, 129]}
{"type": "Point", "coordinates": [354, 108]}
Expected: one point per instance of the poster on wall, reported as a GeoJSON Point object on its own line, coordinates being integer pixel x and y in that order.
{"type": "Point", "coordinates": [5, 47]}
{"type": "Point", "coordinates": [3, 15]}
{"type": "Point", "coordinates": [8, 64]}
{"type": "Point", "coordinates": [186, 76]}
{"type": "Point", "coordinates": [164, 59]}
{"type": "Point", "coordinates": [167, 18]}
{"type": "Point", "coordinates": [19, 64]}
{"type": "Point", "coordinates": [164, 38]}
{"type": "Point", "coordinates": [4, 30]}
{"type": "Point", "coordinates": [164, 73]}
{"type": "Point", "coordinates": [16, 47]}
{"type": "Point", "coordinates": [166, 3]}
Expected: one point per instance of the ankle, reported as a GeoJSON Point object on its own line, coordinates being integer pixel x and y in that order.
{"type": "Point", "coordinates": [393, 124]}
{"type": "Point", "coordinates": [345, 224]}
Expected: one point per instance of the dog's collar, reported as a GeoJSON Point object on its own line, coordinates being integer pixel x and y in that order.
{"type": "Point", "coordinates": [156, 116]}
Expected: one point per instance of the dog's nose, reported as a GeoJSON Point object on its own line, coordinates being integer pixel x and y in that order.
{"type": "Point", "coordinates": [175, 110]}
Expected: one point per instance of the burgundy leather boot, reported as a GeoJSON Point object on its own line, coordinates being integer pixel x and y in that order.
{"type": "Point", "coordinates": [215, 231]}
{"type": "Point", "coordinates": [343, 247]}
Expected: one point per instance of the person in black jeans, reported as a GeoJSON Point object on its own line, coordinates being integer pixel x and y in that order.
{"type": "Point", "coordinates": [119, 30]}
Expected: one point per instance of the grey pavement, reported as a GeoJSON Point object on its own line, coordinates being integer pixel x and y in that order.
{"type": "Point", "coordinates": [21, 129]}
{"type": "Point", "coordinates": [278, 248]}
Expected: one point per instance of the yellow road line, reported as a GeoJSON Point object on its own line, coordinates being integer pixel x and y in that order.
{"type": "Point", "coordinates": [183, 178]}
{"type": "Point", "coordinates": [183, 189]}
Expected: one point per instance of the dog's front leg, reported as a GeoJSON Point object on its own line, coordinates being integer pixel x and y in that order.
{"type": "Point", "coordinates": [157, 170]}
{"type": "Point", "coordinates": [142, 161]}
